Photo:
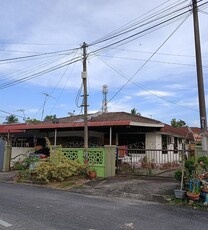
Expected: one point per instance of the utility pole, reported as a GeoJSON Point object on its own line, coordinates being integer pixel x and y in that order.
{"type": "Point", "coordinates": [202, 104]}
{"type": "Point", "coordinates": [84, 78]}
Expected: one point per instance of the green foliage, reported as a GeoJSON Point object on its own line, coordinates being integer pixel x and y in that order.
{"type": "Point", "coordinates": [178, 124]}
{"type": "Point", "coordinates": [178, 175]}
{"type": "Point", "coordinates": [25, 163]}
{"type": "Point", "coordinates": [203, 161]}
{"type": "Point", "coordinates": [11, 119]}
{"type": "Point", "coordinates": [134, 112]}
{"type": "Point", "coordinates": [32, 121]}
{"type": "Point", "coordinates": [194, 169]}
{"type": "Point", "coordinates": [50, 117]}
{"type": "Point", "coordinates": [24, 175]}
{"type": "Point", "coordinates": [58, 167]}
{"type": "Point", "coordinates": [190, 167]}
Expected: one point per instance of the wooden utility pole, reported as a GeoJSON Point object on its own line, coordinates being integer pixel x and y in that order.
{"type": "Point", "coordinates": [202, 104]}
{"type": "Point", "coordinates": [84, 78]}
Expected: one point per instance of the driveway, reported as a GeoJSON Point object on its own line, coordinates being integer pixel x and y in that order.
{"type": "Point", "coordinates": [141, 187]}
{"type": "Point", "coordinates": [147, 188]}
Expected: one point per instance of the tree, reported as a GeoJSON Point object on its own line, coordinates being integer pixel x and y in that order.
{"type": "Point", "coordinates": [11, 119]}
{"type": "Point", "coordinates": [50, 117]}
{"type": "Point", "coordinates": [33, 121]}
{"type": "Point", "coordinates": [134, 112]}
{"type": "Point", "coordinates": [178, 124]}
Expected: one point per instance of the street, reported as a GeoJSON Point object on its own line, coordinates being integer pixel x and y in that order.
{"type": "Point", "coordinates": [35, 208]}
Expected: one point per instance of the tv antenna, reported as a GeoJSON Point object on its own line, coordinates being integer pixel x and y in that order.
{"type": "Point", "coordinates": [44, 103]}
{"type": "Point", "coordinates": [23, 111]}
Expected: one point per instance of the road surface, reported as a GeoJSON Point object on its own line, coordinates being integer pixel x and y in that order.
{"type": "Point", "coordinates": [26, 207]}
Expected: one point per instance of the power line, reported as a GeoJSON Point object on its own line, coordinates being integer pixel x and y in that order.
{"type": "Point", "coordinates": [36, 44]}
{"type": "Point", "coordinates": [32, 69]}
{"type": "Point", "coordinates": [149, 29]}
{"type": "Point", "coordinates": [124, 26]}
{"type": "Point", "coordinates": [29, 77]}
{"type": "Point", "coordinates": [128, 26]}
{"type": "Point", "coordinates": [139, 85]}
{"type": "Point", "coordinates": [36, 55]}
{"type": "Point", "coordinates": [159, 53]}
{"type": "Point", "coordinates": [11, 113]}
{"type": "Point", "coordinates": [155, 61]}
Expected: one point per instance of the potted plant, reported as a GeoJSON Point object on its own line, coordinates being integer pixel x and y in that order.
{"type": "Point", "coordinates": [194, 192]}
{"type": "Point", "coordinates": [195, 180]}
{"type": "Point", "coordinates": [92, 174]}
{"type": "Point", "coordinates": [180, 193]}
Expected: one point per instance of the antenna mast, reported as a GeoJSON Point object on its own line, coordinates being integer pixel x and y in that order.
{"type": "Point", "coordinates": [105, 102]}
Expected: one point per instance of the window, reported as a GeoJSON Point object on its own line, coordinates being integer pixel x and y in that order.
{"type": "Point", "coordinates": [165, 140]}
{"type": "Point", "coordinates": [175, 145]}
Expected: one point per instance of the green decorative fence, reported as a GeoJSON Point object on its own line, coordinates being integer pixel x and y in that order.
{"type": "Point", "coordinates": [102, 160]}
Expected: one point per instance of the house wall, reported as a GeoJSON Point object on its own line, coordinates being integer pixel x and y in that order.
{"type": "Point", "coordinates": [154, 142]}
{"type": "Point", "coordinates": [19, 153]}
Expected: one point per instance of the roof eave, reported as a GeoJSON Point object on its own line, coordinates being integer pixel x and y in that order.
{"type": "Point", "coordinates": [133, 123]}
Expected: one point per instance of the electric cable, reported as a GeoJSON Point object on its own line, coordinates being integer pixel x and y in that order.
{"type": "Point", "coordinates": [155, 61]}
{"type": "Point", "coordinates": [11, 113]}
{"type": "Point", "coordinates": [141, 86]}
{"type": "Point", "coordinates": [30, 69]}
{"type": "Point", "coordinates": [43, 72]}
{"type": "Point", "coordinates": [36, 55]}
{"type": "Point", "coordinates": [64, 73]}
{"type": "Point", "coordinates": [128, 26]}
{"type": "Point", "coordinates": [155, 26]}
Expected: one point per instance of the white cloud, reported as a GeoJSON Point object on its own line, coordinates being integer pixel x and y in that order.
{"type": "Point", "coordinates": [155, 92]}
{"type": "Point", "coordinates": [46, 26]}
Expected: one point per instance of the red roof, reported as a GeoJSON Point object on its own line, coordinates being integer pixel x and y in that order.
{"type": "Point", "coordinates": [94, 120]}
{"type": "Point", "coordinates": [184, 132]}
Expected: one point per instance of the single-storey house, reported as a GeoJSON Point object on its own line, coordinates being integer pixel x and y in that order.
{"type": "Point", "coordinates": [112, 128]}
{"type": "Point", "coordinates": [133, 132]}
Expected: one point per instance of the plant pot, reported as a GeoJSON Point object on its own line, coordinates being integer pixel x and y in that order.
{"type": "Point", "coordinates": [204, 190]}
{"type": "Point", "coordinates": [92, 175]}
{"type": "Point", "coordinates": [179, 193]}
{"type": "Point", "coordinates": [193, 196]}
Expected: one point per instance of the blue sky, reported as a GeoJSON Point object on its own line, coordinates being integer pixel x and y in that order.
{"type": "Point", "coordinates": [154, 73]}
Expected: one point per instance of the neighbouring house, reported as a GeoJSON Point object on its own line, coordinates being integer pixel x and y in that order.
{"type": "Point", "coordinates": [112, 128]}
{"type": "Point", "coordinates": [197, 135]}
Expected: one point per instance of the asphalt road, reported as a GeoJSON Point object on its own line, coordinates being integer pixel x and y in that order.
{"type": "Point", "coordinates": [35, 208]}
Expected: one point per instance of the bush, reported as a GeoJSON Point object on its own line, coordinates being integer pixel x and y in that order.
{"type": "Point", "coordinates": [190, 167]}
{"type": "Point", "coordinates": [178, 175]}
{"type": "Point", "coordinates": [58, 167]}
{"type": "Point", "coordinates": [25, 163]}
{"type": "Point", "coordinates": [203, 161]}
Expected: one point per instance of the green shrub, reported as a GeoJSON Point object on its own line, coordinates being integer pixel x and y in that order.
{"type": "Point", "coordinates": [58, 167]}
{"type": "Point", "coordinates": [203, 161]}
{"type": "Point", "coordinates": [190, 167]}
{"type": "Point", "coordinates": [25, 163]}
{"type": "Point", "coordinates": [178, 175]}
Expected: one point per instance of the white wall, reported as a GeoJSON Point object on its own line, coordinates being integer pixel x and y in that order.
{"type": "Point", "coordinates": [19, 153]}
{"type": "Point", "coordinates": [154, 141]}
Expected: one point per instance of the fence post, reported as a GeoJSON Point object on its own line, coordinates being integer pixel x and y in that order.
{"type": "Point", "coordinates": [7, 158]}
{"type": "Point", "coordinates": [110, 160]}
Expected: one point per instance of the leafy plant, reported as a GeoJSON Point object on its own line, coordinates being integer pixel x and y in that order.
{"type": "Point", "coordinates": [203, 162]}
{"type": "Point", "coordinates": [25, 163]}
{"type": "Point", "coordinates": [58, 167]}
{"type": "Point", "coordinates": [178, 175]}
{"type": "Point", "coordinates": [190, 167]}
